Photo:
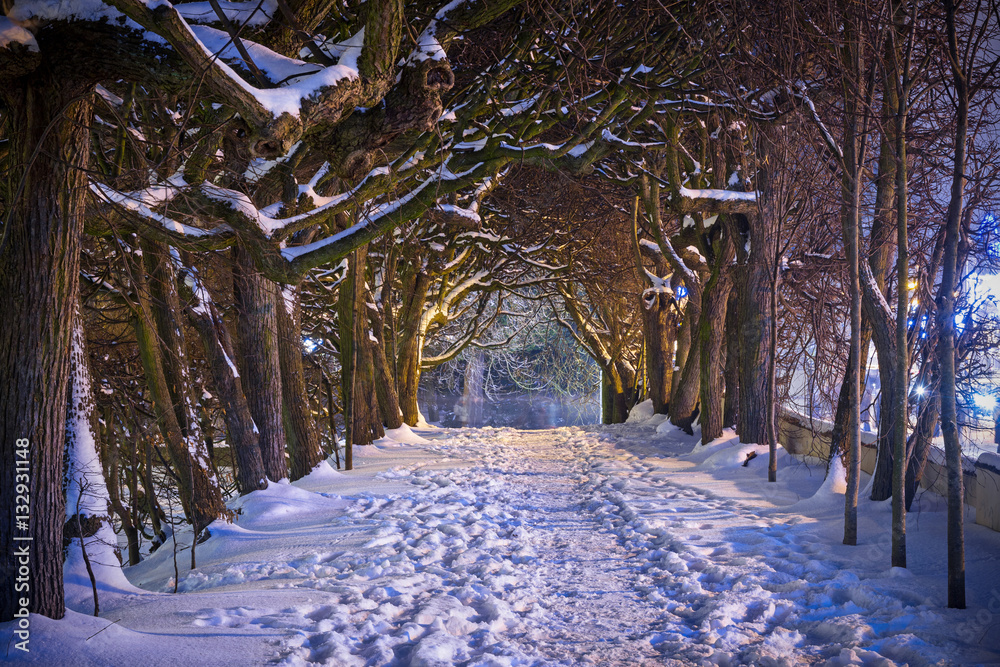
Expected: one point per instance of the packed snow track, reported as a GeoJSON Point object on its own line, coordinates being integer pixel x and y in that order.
{"type": "Point", "coordinates": [496, 547]}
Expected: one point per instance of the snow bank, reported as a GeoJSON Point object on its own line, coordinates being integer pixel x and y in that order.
{"type": "Point", "coordinates": [403, 435]}
{"type": "Point", "coordinates": [321, 478]}
{"type": "Point", "coordinates": [642, 414]}
{"type": "Point", "coordinates": [282, 501]}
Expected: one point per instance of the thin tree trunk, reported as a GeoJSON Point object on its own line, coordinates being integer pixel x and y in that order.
{"type": "Point", "coordinates": [732, 368]}
{"type": "Point", "coordinates": [684, 336]}
{"type": "Point", "coordinates": [332, 420]}
{"type": "Point", "coordinates": [946, 327]}
{"type": "Point", "coordinates": [842, 416]}
{"type": "Point", "coordinates": [902, 360]}
{"type": "Point", "coordinates": [921, 441]}
{"type": "Point", "coordinates": [112, 472]}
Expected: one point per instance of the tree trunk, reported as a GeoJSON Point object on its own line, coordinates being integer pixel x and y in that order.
{"type": "Point", "coordinates": [300, 427]}
{"type": "Point", "coordinates": [684, 336]}
{"type": "Point", "coordinates": [243, 435]}
{"type": "Point", "coordinates": [684, 399]}
{"type": "Point", "coordinates": [411, 343]}
{"type": "Point", "coordinates": [88, 528]}
{"type": "Point", "coordinates": [902, 359]}
{"type": "Point", "coordinates": [256, 301]}
{"type": "Point", "coordinates": [112, 471]}
{"type": "Point", "coordinates": [356, 358]}
{"type": "Point", "coordinates": [39, 283]}
{"type": "Point", "coordinates": [200, 494]}
{"type": "Point", "coordinates": [921, 440]}
{"type": "Point", "coordinates": [841, 419]}
{"type": "Point", "coordinates": [731, 414]}
{"type": "Point", "coordinates": [659, 330]}
{"type": "Point", "coordinates": [711, 336]}
{"type": "Point", "coordinates": [946, 327]}
{"type": "Point", "coordinates": [754, 281]}
{"type": "Point", "coordinates": [385, 386]}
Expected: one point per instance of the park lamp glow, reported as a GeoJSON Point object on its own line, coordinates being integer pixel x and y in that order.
{"type": "Point", "coordinates": [920, 391]}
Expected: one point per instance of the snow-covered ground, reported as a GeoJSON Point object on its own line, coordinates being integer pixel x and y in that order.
{"type": "Point", "coordinates": [623, 545]}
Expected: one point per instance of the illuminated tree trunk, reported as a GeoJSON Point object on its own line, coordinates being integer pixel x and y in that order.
{"type": "Point", "coordinates": [414, 293]}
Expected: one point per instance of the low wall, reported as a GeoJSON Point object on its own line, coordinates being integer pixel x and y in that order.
{"type": "Point", "coordinates": [988, 491]}
{"type": "Point", "coordinates": [804, 436]}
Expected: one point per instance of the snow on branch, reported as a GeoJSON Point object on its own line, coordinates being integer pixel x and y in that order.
{"type": "Point", "coordinates": [12, 33]}
{"type": "Point", "coordinates": [138, 207]}
{"type": "Point", "coordinates": [314, 94]}
{"type": "Point", "coordinates": [715, 201]}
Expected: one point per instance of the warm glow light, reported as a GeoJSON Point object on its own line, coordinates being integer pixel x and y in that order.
{"type": "Point", "coordinates": [912, 285]}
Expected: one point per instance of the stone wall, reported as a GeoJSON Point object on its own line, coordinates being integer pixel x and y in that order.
{"type": "Point", "coordinates": [804, 436]}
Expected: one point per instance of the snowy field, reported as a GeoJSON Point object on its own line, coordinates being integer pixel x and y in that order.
{"type": "Point", "coordinates": [621, 545]}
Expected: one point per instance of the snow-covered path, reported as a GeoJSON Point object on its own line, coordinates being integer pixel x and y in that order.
{"type": "Point", "coordinates": [490, 547]}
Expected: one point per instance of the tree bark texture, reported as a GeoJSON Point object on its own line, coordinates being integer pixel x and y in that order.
{"type": "Point", "coordinates": [732, 369]}
{"type": "Point", "coordinates": [414, 293]}
{"type": "Point", "coordinates": [356, 357]}
{"type": "Point", "coordinates": [385, 385]}
{"type": "Point", "coordinates": [659, 328]}
{"type": "Point", "coordinates": [300, 426]}
{"type": "Point", "coordinates": [39, 283]}
{"type": "Point", "coordinates": [946, 326]}
{"type": "Point", "coordinates": [711, 338]}
{"type": "Point", "coordinates": [754, 282]}
{"type": "Point", "coordinates": [256, 300]}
